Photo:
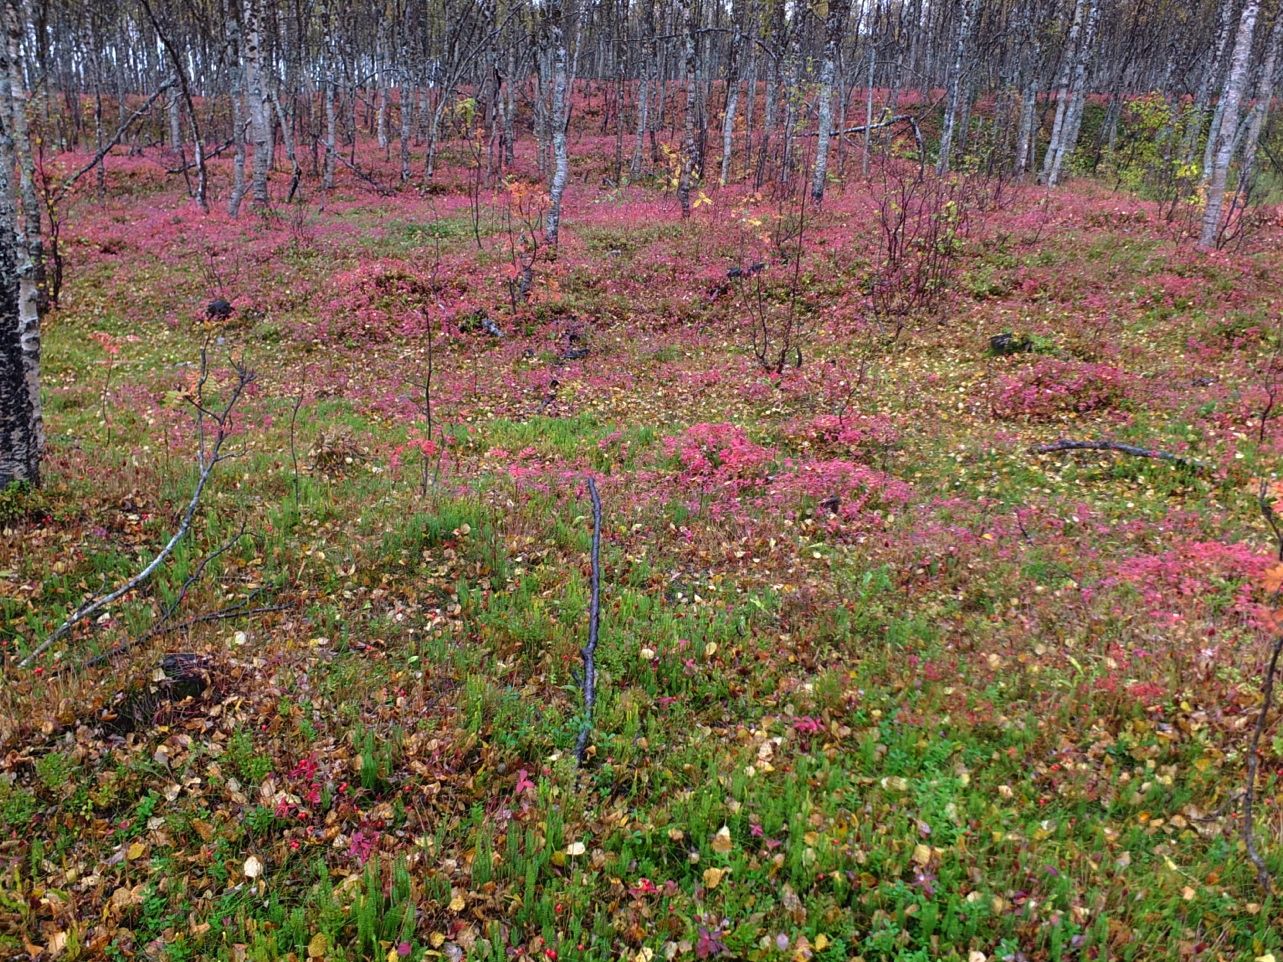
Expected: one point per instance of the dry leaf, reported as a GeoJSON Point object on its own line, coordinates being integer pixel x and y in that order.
{"type": "Point", "coordinates": [722, 840]}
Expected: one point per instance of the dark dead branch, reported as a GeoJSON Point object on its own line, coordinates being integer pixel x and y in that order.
{"type": "Point", "coordinates": [1258, 730]}
{"type": "Point", "coordinates": [192, 164]}
{"type": "Point", "coordinates": [1118, 446]}
{"type": "Point", "coordinates": [111, 143]}
{"type": "Point", "coordinates": [223, 614]}
{"type": "Point", "coordinates": [378, 188]}
{"type": "Point", "coordinates": [589, 651]}
{"type": "Point", "coordinates": [210, 456]}
{"type": "Point", "coordinates": [1253, 763]}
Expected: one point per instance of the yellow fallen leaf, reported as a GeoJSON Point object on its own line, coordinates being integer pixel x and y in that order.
{"type": "Point", "coordinates": [436, 939]}
{"type": "Point", "coordinates": [458, 902]}
{"type": "Point", "coordinates": [722, 840]}
{"type": "Point", "coordinates": [136, 851]}
{"type": "Point", "coordinates": [1267, 957]}
{"type": "Point", "coordinates": [821, 942]}
{"type": "Point", "coordinates": [575, 848]}
{"type": "Point", "coordinates": [710, 649]}
{"type": "Point", "coordinates": [318, 946]}
{"type": "Point", "coordinates": [713, 877]}
{"type": "Point", "coordinates": [922, 854]}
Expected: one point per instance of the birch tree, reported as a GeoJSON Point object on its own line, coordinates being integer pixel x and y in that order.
{"type": "Point", "coordinates": [834, 27]}
{"type": "Point", "coordinates": [260, 120]}
{"type": "Point", "coordinates": [559, 109]}
{"type": "Point", "coordinates": [1070, 91]}
{"type": "Point", "coordinates": [954, 84]}
{"type": "Point", "coordinates": [21, 423]}
{"type": "Point", "coordinates": [1225, 133]}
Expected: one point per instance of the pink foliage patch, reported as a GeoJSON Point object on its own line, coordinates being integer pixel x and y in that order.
{"type": "Point", "coordinates": [1182, 581]}
{"type": "Point", "coordinates": [1050, 387]}
{"type": "Point", "coordinates": [719, 454]}
{"type": "Point", "coordinates": [374, 301]}
{"type": "Point", "coordinates": [848, 433]}
{"type": "Point", "coordinates": [844, 490]}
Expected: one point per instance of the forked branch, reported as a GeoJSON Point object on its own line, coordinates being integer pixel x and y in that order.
{"type": "Point", "coordinates": [217, 423]}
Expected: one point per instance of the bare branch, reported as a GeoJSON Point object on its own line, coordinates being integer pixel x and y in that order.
{"type": "Point", "coordinates": [111, 143]}
{"type": "Point", "coordinates": [1253, 763]}
{"type": "Point", "coordinates": [208, 460]}
{"type": "Point", "coordinates": [589, 651]}
{"type": "Point", "coordinates": [1132, 449]}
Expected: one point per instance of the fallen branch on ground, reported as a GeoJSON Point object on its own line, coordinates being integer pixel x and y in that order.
{"type": "Point", "coordinates": [589, 651]}
{"type": "Point", "coordinates": [365, 176]}
{"type": "Point", "coordinates": [209, 458]}
{"type": "Point", "coordinates": [224, 614]}
{"type": "Point", "coordinates": [1253, 763]}
{"type": "Point", "coordinates": [1267, 698]}
{"type": "Point", "coordinates": [1121, 448]}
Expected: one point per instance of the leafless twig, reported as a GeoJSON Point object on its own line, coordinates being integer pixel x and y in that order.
{"type": "Point", "coordinates": [209, 458]}
{"type": "Point", "coordinates": [223, 614]}
{"type": "Point", "coordinates": [1267, 698]}
{"type": "Point", "coordinates": [589, 651]}
{"type": "Point", "coordinates": [1253, 763]}
{"type": "Point", "coordinates": [111, 143]}
{"type": "Point", "coordinates": [1132, 449]}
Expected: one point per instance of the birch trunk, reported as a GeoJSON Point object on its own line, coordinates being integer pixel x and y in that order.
{"type": "Point", "coordinates": [1066, 139]}
{"type": "Point", "coordinates": [689, 147]}
{"type": "Point", "coordinates": [1231, 101]}
{"type": "Point", "coordinates": [733, 58]}
{"type": "Point", "coordinates": [256, 94]}
{"type": "Point", "coordinates": [1266, 85]}
{"type": "Point", "coordinates": [236, 91]}
{"type": "Point", "coordinates": [834, 26]}
{"type": "Point", "coordinates": [1208, 82]}
{"type": "Point", "coordinates": [21, 424]}
{"type": "Point", "coordinates": [954, 85]}
{"type": "Point", "coordinates": [645, 80]}
{"type": "Point", "coordinates": [557, 120]}
{"type": "Point", "coordinates": [331, 142]}
{"type": "Point", "coordinates": [406, 98]}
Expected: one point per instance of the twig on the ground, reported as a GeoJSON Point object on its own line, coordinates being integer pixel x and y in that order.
{"type": "Point", "coordinates": [1253, 763]}
{"type": "Point", "coordinates": [1121, 448]}
{"type": "Point", "coordinates": [224, 614]}
{"type": "Point", "coordinates": [298, 403]}
{"type": "Point", "coordinates": [209, 458]}
{"type": "Point", "coordinates": [1267, 699]}
{"type": "Point", "coordinates": [214, 555]}
{"type": "Point", "coordinates": [365, 176]}
{"type": "Point", "coordinates": [589, 651]}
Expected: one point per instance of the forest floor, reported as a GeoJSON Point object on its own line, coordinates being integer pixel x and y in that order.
{"type": "Point", "coordinates": [875, 680]}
